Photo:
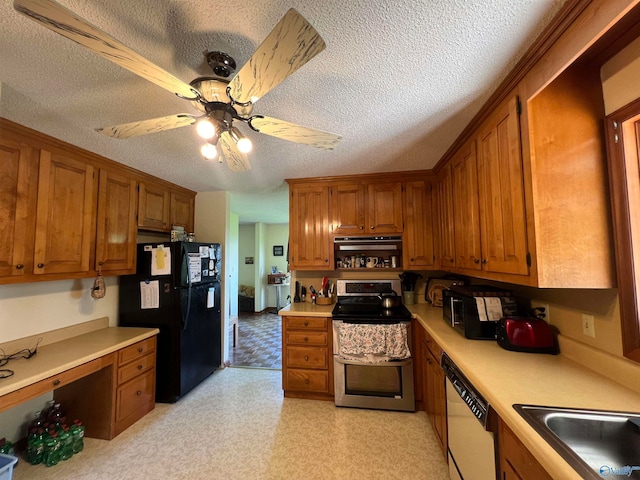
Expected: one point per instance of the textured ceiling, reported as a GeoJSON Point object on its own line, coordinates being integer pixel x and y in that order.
{"type": "Point", "coordinates": [399, 80]}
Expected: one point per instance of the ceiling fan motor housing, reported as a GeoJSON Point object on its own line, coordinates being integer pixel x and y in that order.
{"type": "Point", "coordinates": [222, 113]}
{"type": "Point", "coordinates": [221, 63]}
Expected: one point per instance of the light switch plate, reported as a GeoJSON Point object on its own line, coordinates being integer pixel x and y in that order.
{"type": "Point", "coordinates": [588, 325]}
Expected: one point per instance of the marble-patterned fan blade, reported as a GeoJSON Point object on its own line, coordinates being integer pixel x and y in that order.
{"type": "Point", "coordinates": [291, 44]}
{"type": "Point", "coordinates": [236, 160]}
{"type": "Point", "coordinates": [63, 21]}
{"type": "Point", "coordinates": [294, 133]}
{"type": "Point", "coordinates": [145, 127]}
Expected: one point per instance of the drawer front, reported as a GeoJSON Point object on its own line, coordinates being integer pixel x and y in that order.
{"type": "Point", "coordinates": [304, 323]}
{"type": "Point", "coordinates": [306, 338]}
{"type": "Point", "coordinates": [136, 350]}
{"type": "Point", "coordinates": [307, 380]}
{"type": "Point", "coordinates": [135, 394]}
{"type": "Point", "coordinates": [131, 369]}
{"type": "Point", "coordinates": [307, 357]}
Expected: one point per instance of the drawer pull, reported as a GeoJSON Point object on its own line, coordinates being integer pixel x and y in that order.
{"type": "Point", "coordinates": [56, 382]}
{"type": "Point", "coordinates": [306, 381]}
{"type": "Point", "coordinates": [139, 367]}
{"type": "Point", "coordinates": [20, 266]}
{"type": "Point", "coordinates": [139, 392]}
{"type": "Point", "coordinates": [140, 349]}
{"type": "Point", "coordinates": [41, 265]}
{"type": "Point", "coordinates": [306, 324]}
{"type": "Point", "coordinates": [306, 358]}
{"type": "Point", "coordinates": [306, 339]}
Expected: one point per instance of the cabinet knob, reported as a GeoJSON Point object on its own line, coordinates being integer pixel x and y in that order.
{"type": "Point", "coordinates": [476, 260]}
{"type": "Point", "coordinates": [100, 263]}
{"type": "Point", "coordinates": [19, 266]}
{"type": "Point", "coordinates": [326, 260]}
{"type": "Point", "coordinates": [56, 382]}
{"type": "Point", "coordinates": [306, 339]}
{"type": "Point", "coordinates": [140, 349]}
{"type": "Point", "coordinates": [139, 392]}
{"type": "Point", "coordinates": [306, 358]}
{"type": "Point", "coordinates": [41, 265]}
{"type": "Point", "coordinates": [412, 260]}
{"type": "Point", "coordinates": [452, 260]}
{"type": "Point", "coordinates": [372, 227]}
{"type": "Point", "coordinates": [306, 324]}
{"type": "Point", "coordinates": [484, 260]}
{"type": "Point", "coordinates": [361, 227]}
{"type": "Point", "coordinates": [306, 381]}
{"type": "Point", "coordinates": [139, 367]}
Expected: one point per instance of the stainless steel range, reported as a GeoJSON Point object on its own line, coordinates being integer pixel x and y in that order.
{"type": "Point", "coordinates": [373, 365]}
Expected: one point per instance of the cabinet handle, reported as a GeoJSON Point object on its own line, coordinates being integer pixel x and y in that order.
{"type": "Point", "coordinates": [56, 382]}
{"type": "Point", "coordinates": [19, 266]}
{"type": "Point", "coordinates": [306, 358]}
{"type": "Point", "coordinates": [306, 381]}
{"type": "Point", "coordinates": [41, 265]}
{"type": "Point", "coordinates": [139, 392]}
{"type": "Point", "coordinates": [139, 367]}
{"type": "Point", "coordinates": [140, 349]}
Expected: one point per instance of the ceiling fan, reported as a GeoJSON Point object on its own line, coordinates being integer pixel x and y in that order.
{"type": "Point", "coordinates": [221, 102]}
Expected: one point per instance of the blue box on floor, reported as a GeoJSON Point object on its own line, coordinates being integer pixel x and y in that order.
{"type": "Point", "coordinates": [6, 466]}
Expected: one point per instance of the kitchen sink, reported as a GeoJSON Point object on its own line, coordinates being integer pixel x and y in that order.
{"type": "Point", "coordinates": [596, 443]}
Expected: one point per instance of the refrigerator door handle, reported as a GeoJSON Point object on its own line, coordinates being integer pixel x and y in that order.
{"type": "Point", "coordinates": [185, 258]}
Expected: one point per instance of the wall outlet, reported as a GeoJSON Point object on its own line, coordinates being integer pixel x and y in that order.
{"type": "Point", "coordinates": [588, 325]}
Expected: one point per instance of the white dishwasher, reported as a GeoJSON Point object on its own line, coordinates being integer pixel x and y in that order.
{"type": "Point", "coordinates": [471, 446]}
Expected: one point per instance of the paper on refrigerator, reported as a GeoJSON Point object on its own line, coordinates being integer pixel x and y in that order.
{"type": "Point", "coordinates": [149, 294]}
{"type": "Point", "coordinates": [160, 261]}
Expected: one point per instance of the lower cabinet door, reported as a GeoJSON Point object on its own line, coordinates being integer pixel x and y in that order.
{"type": "Point", "coordinates": [136, 397]}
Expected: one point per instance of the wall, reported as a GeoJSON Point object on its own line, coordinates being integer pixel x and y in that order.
{"type": "Point", "coordinates": [620, 78]}
{"type": "Point", "coordinates": [246, 248]}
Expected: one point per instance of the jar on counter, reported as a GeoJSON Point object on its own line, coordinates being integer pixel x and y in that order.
{"type": "Point", "coordinates": [191, 237]}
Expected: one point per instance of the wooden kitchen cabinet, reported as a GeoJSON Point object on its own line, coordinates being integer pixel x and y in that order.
{"type": "Point", "coordinates": [444, 219]}
{"type": "Point", "coordinates": [65, 215]}
{"type": "Point", "coordinates": [418, 237]}
{"type": "Point", "coordinates": [116, 231]}
{"type": "Point", "coordinates": [18, 170]}
{"type": "Point", "coordinates": [501, 189]}
{"type": "Point", "coordinates": [368, 207]}
{"type": "Point", "coordinates": [310, 245]}
{"type": "Point", "coordinates": [153, 207]}
{"type": "Point", "coordinates": [466, 208]}
{"type": "Point", "coordinates": [136, 377]}
{"type": "Point", "coordinates": [182, 210]}
{"type": "Point", "coordinates": [307, 357]}
{"type": "Point", "coordinates": [516, 462]}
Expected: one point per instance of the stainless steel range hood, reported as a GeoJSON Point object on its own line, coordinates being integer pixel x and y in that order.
{"type": "Point", "coordinates": [391, 243]}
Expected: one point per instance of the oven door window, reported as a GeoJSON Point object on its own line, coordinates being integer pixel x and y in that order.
{"type": "Point", "coordinates": [373, 381]}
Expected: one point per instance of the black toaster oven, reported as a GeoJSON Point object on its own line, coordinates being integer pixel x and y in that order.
{"type": "Point", "coordinates": [474, 310]}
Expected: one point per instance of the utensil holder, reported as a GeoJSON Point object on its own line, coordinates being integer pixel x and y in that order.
{"type": "Point", "coordinates": [409, 297]}
{"type": "Point", "coordinates": [324, 300]}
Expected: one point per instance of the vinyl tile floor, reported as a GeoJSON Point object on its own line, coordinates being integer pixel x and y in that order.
{"type": "Point", "coordinates": [259, 342]}
{"type": "Point", "coordinates": [237, 425]}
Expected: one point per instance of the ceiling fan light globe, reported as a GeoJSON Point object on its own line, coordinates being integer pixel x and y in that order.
{"type": "Point", "coordinates": [206, 129]}
{"type": "Point", "coordinates": [209, 151]}
{"type": "Point", "coordinates": [245, 145]}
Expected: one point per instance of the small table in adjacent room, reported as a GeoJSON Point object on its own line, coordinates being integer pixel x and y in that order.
{"type": "Point", "coordinates": [278, 282]}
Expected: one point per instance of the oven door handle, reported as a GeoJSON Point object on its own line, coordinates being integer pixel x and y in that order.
{"type": "Point", "coordinates": [401, 363]}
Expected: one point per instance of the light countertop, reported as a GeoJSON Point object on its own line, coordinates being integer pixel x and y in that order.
{"type": "Point", "coordinates": [307, 309]}
{"type": "Point", "coordinates": [58, 357]}
{"type": "Point", "coordinates": [505, 378]}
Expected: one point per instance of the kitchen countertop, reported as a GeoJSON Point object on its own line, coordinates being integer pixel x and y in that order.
{"type": "Point", "coordinates": [307, 309]}
{"type": "Point", "coordinates": [61, 356]}
{"type": "Point", "coordinates": [505, 378]}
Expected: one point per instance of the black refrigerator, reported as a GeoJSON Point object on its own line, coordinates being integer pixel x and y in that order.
{"type": "Point", "coordinates": [176, 288]}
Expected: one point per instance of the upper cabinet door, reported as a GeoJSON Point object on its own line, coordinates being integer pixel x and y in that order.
{"type": "Point", "coordinates": [384, 208]}
{"type": "Point", "coordinates": [17, 207]}
{"type": "Point", "coordinates": [466, 210]}
{"type": "Point", "coordinates": [153, 207]}
{"type": "Point", "coordinates": [65, 216]}
{"type": "Point", "coordinates": [418, 228]}
{"type": "Point", "coordinates": [182, 210]}
{"type": "Point", "coordinates": [347, 208]}
{"type": "Point", "coordinates": [444, 219]}
{"type": "Point", "coordinates": [502, 205]}
{"type": "Point", "coordinates": [116, 229]}
{"type": "Point", "coordinates": [309, 228]}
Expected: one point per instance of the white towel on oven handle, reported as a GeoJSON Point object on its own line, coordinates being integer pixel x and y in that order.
{"type": "Point", "coordinates": [373, 342]}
